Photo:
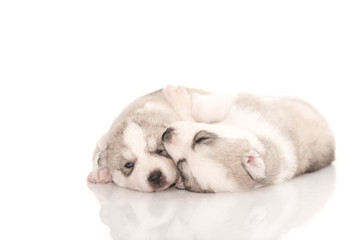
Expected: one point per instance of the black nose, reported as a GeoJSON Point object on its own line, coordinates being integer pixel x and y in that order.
{"type": "Point", "coordinates": [155, 178]}
{"type": "Point", "coordinates": [167, 134]}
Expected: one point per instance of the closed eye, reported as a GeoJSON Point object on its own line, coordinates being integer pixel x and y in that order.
{"type": "Point", "coordinates": [203, 137]}
{"type": "Point", "coordinates": [162, 152]}
{"type": "Point", "coordinates": [159, 151]}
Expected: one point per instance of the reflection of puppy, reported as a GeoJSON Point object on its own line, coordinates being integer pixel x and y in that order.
{"type": "Point", "coordinates": [131, 153]}
{"type": "Point", "coordinates": [266, 213]}
{"type": "Point", "coordinates": [256, 141]}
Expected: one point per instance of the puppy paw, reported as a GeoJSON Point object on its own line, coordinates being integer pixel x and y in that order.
{"type": "Point", "coordinates": [255, 166]}
{"type": "Point", "coordinates": [180, 101]}
{"type": "Point", "coordinates": [180, 184]}
{"type": "Point", "coordinates": [176, 95]}
{"type": "Point", "coordinates": [99, 176]}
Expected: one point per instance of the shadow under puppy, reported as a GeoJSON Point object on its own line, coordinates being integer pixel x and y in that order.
{"type": "Point", "coordinates": [245, 141]}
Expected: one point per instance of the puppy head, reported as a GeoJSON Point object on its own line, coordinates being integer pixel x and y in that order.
{"type": "Point", "coordinates": [215, 158]}
{"type": "Point", "coordinates": [136, 158]}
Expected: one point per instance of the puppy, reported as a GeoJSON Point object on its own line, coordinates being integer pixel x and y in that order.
{"type": "Point", "coordinates": [131, 153]}
{"type": "Point", "coordinates": [252, 142]}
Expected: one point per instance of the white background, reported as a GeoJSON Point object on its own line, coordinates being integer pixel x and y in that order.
{"type": "Point", "coordinates": [67, 68]}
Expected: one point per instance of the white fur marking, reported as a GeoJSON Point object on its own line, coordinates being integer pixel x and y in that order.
{"type": "Point", "coordinates": [211, 108]}
{"type": "Point", "coordinates": [134, 139]}
{"type": "Point", "coordinates": [252, 121]}
{"type": "Point", "coordinates": [211, 175]}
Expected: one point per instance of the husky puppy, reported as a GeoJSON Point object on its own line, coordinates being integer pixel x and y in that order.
{"type": "Point", "coordinates": [252, 142]}
{"type": "Point", "coordinates": [131, 153]}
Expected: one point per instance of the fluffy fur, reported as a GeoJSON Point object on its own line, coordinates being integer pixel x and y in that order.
{"type": "Point", "coordinates": [245, 141]}
{"type": "Point", "coordinates": [131, 153]}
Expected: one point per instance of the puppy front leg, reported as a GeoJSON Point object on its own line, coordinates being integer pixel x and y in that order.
{"type": "Point", "coordinates": [189, 182]}
{"type": "Point", "coordinates": [100, 173]}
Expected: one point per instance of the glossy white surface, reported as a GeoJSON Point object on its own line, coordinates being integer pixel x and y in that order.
{"type": "Point", "coordinates": [67, 68]}
{"type": "Point", "coordinates": [267, 213]}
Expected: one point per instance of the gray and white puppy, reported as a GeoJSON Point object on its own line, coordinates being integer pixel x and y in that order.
{"type": "Point", "coordinates": [131, 153]}
{"type": "Point", "coordinates": [252, 142]}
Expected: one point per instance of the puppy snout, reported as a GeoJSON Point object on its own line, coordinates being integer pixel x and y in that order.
{"type": "Point", "coordinates": [166, 137]}
{"type": "Point", "coordinates": [155, 178]}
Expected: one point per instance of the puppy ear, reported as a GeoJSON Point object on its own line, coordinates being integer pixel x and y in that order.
{"type": "Point", "coordinates": [102, 159]}
{"type": "Point", "coordinates": [99, 156]}
{"type": "Point", "coordinates": [255, 166]}
{"type": "Point", "coordinates": [102, 142]}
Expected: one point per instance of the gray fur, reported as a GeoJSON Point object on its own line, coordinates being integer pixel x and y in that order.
{"type": "Point", "coordinates": [152, 114]}
{"type": "Point", "coordinates": [260, 141]}
{"type": "Point", "coordinates": [313, 139]}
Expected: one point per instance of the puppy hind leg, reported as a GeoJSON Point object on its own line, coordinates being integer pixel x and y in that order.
{"type": "Point", "coordinates": [179, 100]}
{"type": "Point", "coordinates": [212, 108]}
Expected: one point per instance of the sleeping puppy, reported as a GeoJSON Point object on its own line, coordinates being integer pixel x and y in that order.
{"type": "Point", "coordinates": [131, 153]}
{"type": "Point", "coordinates": [245, 141]}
